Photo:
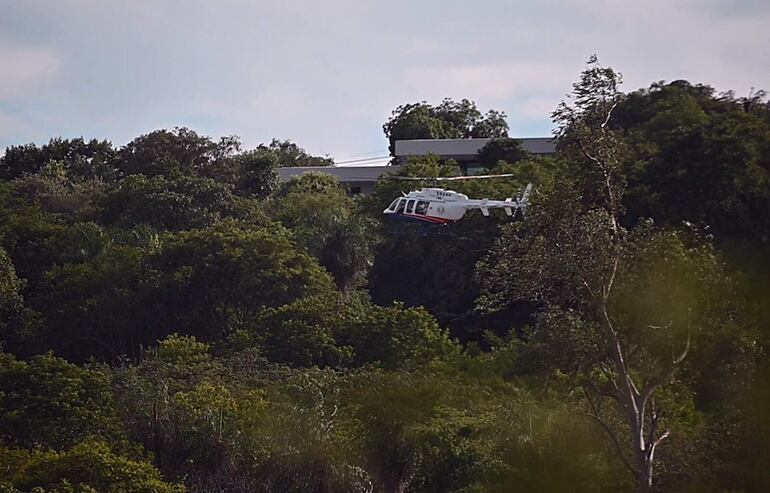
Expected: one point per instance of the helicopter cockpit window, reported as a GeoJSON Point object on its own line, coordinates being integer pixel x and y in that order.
{"type": "Point", "coordinates": [421, 208]}
{"type": "Point", "coordinates": [409, 206]}
{"type": "Point", "coordinates": [400, 206]}
{"type": "Point", "coordinates": [392, 206]}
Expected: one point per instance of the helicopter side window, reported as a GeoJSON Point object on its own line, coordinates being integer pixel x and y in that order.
{"type": "Point", "coordinates": [400, 206]}
{"type": "Point", "coordinates": [421, 208]}
{"type": "Point", "coordinates": [392, 206]}
{"type": "Point", "coordinates": [409, 206]}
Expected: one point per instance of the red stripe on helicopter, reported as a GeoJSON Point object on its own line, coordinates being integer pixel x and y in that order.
{"type": "Point", "coordinates": [430, 219]}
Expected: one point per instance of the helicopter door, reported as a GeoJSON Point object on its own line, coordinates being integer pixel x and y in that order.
{"type": "Point", "coordinates": [410, 206]}
{"type": "Point", "coordinates": [422, 207]}
{"type": "Point", "coordinates": [400, 206]}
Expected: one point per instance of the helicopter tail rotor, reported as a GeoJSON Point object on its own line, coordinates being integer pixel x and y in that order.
{"type": "Point", "coordinates": [524, 200]}
{"type": "Point", "coordinates": [520, 203]}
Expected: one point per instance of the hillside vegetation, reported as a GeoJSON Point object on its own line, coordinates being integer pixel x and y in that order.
{"type": "Point", "coordinates": [174, 319]}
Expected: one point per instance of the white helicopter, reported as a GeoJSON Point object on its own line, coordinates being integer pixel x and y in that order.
{"type": "Point", "coordinates": [440, 206]}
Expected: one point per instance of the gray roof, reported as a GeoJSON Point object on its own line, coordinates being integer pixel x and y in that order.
{"type": "Point", "coordinates": [347, 174]}
{"type": "Point", "coordinates": [459, 149]}
{"type": "Point", "coordinates": [466, 149]}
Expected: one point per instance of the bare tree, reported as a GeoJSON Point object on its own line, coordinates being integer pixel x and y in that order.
{"type": "Point", "coordinates": [584, 125]}
{"type": "Point", "coordinates": [574, 257]}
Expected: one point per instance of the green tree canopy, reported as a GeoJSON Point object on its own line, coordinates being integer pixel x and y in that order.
{"type": "Point", "coordinates": [172, 204]}
{"type": "Point", "coordinates": [254, 172]}
{"type": "Point", "coordinates": [448, 120]}
{"type": "Point", "coordinates": [629, 303]}
{"type": "Point", "coordinates": [697, 156]}
{"type": "Point", "coordinates": [50, 403]}
{"type": "Point", "coordinates": [328, 225]}
{"type": "Point", "coordinates": [172, 152]}
{"type": "Point", "coordinates": [85, 159]}
{"type": "Point", "coordinates": [33, 238]}
{"type": "Point", "coordinates": [10, 284]}
{"type": "Point", "coordinates": [309, 183]}
{"type": "Point", "coordinates": [89, 466]}
{"type": "Point", "coordinates": [214, 281]}
{"type": "Point", "coordinates": [290, 154]}
{"type": "Point", "coordinates": [58, 189]}
{"type": "Point", "coordinates": [96, 305]}
{"type": "Point", "coordinates": [321, 331]}
{"type": "Point", "coordinates": [502, 149]}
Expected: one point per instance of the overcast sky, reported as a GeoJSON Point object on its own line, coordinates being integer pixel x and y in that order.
{"type": "Point", "coordinates": [327, 74]}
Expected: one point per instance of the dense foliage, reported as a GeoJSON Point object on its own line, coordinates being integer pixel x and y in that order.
{"type": "Point", "coordinates": [448, 120]}
{"type": "Point", "coordinates": [174, 319]}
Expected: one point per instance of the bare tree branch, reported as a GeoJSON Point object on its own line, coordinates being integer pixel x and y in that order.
{"type": "Point", "coordinates": [609, 114]}
{"type": "Point", "coordinates": [684, 352]}
{"type": "Point", "coordinates": [654, 383]}
{"type": "Point", "coordinates": [618, 448]}
{"type": "Point", "coordinates": [600, 392]}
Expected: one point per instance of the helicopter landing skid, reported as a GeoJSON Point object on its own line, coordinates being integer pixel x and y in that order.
{"type": "Point", "coordinates": [426, 230]}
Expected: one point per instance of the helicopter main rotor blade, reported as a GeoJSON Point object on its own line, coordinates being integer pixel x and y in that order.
{"type": "Point", "coordinates": [447, 178]}
{"type": "Point", "coordinates": [476, 177]}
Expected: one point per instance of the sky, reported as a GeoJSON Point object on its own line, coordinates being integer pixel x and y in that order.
{"type": "Point", "coordinates": [328, 74]}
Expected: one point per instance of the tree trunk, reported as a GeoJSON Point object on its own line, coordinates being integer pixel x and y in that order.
{"type": "Point", "coordinates": [634, 406]}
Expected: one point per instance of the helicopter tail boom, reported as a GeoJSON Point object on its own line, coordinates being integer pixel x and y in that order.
{"type": "Point", "coordinates": [509, 205]}
{"type": "Point", "coordinates": [509, 209]}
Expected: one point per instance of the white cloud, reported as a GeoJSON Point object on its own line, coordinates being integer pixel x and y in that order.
{"type": "Point", "coordinates": [23, 69]}
{"type": "Point", "coordinates": [497, 82]}
{"type": "Point", "coordinates": [535, 108]}
{"type": "Point", "coordinates": [328, 74]}
{"type": "Point", "coordinates": [10, 125]}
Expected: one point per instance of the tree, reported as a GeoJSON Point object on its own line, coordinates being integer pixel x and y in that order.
{"type": "Point", "coordinates": [173, 152]}
{"type": "Point", "coordinates": [447, 431]}
{"type": "Point", "coordinates": [310, 183]}
{"type": "Point", "coordinates": [254, 171]}
{"type": "Point", "coordinates": [10, 285]}
{"type": "Point", "coordinates": [14, 316]}
{"type": "Point", "coordinates": [215, 281]}
{"type": "Point", "coordinates": [393, 336]}
{"type": "Point", "coordinates": [328, 225]}
{"type": "Point", "coordinates": [172, 203]}
{"type": "Point", "coordinates": [502, 149]}
{"type": "Point", "coordinates": [301, 334]}
{"type": "Point", "coordinates": [346, 244]}
{"type": "Point", "coordinates": [89, 466]}
{"type": "Point", "coordinates": [85, 160]}
{"type": "Point", "coordinates": [448, 120]}
{"type": "Point", "coordinates": [175, 406]}
{"type": "Point", "coordinates": [573, 255]}
{"type": "Point", "coordinates": [33, 238]}
{"type": "Point", "coordinates": [58, 189]}
{"type": "Point", "coordinates": [290, 154]}
{"type": "Point", "coordinates": [50, 403]}
{"type": "Point", "coordinates": [224, 427]}
{"type": "Point", "coordinates": [698, 157]}
{"type": "Point", "coordinates": [308, 444]}
{"type": "Point", "coordinates": [319, 331]}
{"type": "Point", "coordinates": [96, 305]}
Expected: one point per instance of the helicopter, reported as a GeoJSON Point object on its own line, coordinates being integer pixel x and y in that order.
{"type": "Point", "coordinates": [440, 206]}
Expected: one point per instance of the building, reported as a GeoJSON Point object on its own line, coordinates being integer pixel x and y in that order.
{"type": "Point", "coordinates": [357, 179]}
{"type": "Point", "coordinates": [361, 179]}
{"type": "Point", "coordinates": [464, 151]}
